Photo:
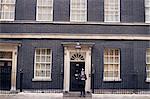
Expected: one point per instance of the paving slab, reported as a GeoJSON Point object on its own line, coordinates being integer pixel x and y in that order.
{"type": "Point", "coordinates": [121, 96]}
{"type": "Point", "coordinates": [60, 96]}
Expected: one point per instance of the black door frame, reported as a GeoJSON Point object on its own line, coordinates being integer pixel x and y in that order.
{"type": "Point", "coordinates": [5, 76]}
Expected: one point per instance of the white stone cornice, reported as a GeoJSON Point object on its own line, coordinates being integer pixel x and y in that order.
{"type": "Point", "coordinates": [74, 36]}
{"type": "Point", "coordinates": [75, 23]}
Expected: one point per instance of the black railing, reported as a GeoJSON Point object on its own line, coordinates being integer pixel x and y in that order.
{"type": "Point", "coordinates": [21, 78]}
{"type": "Point", "coordinates": [49, 86]}
{"type": "Point", "coordinates": [130, 84]}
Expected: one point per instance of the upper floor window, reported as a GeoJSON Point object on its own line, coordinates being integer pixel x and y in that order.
{"type": "Point", "coordinates": [147, 11]}
{"type": "Point", "coordinates": [112, 10]}
{"type": "Point", "coordinates": [44, 10]}
{"type": "Point", "coordinates": [7, 10]}
{"type": "Point", "coordinates": [148, 64]}
{"type": "Point", "coordinates": [111, 64]}
{"type": "Point", "coordinates": [78, 10]}
{"type": "Point", "coordinates": [43, 64]}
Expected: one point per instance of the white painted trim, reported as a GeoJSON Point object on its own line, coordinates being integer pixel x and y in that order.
{"type": "Point", "coordinates": [108, 79]}
{"type": "Point", "coordinates": [74, 36]}
{"type": "Point", "coordinates": [66, 70]}
{"type": "Point", "coordinates": [67, 51]}
{"type": "Point", "coordinates": [6, 19]}
{"type": "Point", "coordinates": [74, 23]}
{"type": "Point", "coordinates": [147, 80]}
{"type": "Point", "coordinates": [14, 50]}
{"type": "Point", "coordinates": [42, 79]}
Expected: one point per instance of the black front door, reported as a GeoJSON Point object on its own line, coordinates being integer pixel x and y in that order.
{"type": "Point", "coordinates": [5, 75]}
{"type": "Point", "coordinates": [75, 69]}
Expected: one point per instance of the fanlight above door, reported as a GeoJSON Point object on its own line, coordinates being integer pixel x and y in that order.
{"type": "Point", "coordinates": [77, 56]}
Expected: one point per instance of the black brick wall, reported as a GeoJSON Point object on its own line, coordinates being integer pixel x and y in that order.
{"type": "Point", "coordinates": [131, 10]}
{"type": "Point", "coordinates": [87, 29]}
{"type": "Point", "coordinates": [132, 62]}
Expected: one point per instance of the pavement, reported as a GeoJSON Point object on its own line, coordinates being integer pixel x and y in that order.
{"type": "Point", "coordinates": [60, 96]}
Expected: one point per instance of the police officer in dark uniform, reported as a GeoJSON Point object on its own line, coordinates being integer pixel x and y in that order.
{"type": "Point", "coordinates": [83, 78]}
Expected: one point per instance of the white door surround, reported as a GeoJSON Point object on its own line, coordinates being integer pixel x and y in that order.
{"type": "Point", "coordinates": [85, 50]}
{"type": "Point", "coordinates": [14, 49]}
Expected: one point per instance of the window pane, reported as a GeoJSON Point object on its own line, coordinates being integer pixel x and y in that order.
{"type": "Point", "coordinates": [148, 59]}
{"type": "Point", "coordinates": [106, 68]}
{"type": "Point", "coordinates": [43, 59]}
{"type": "Point", "coordinates": [112, 10]}
{"type": "Point", "coordinates": [47, 73]}
{"type": "Point", "coordinates": [148, 67]}
{"type": "Point", "coordinates": [116, 67]}
{"type": "Point", "coordinates": [43, 73]}
{"type": "Point", "coordinates": [7, 9]}
{"type": "Point", "coordinates": [42, 66]}
{"type": "Point", "coordinates": [47, 66]}
{"type": "Point", "coordinates": [148, 74]}
{"type": "Point", "coordinates": [147, 11]}
{"type": "Point", "coordinates": [37, 73]}
{"type": "Point", "coordinates": [38, 52]}
{"type": "Point", "coordinates": [37, 66]}
{"type": "Point", "coordinates": [148, 56]}
{"type": "Point", "coordinates": [116, 59]}
{"type": "Point", "coordinates": [37, 58]}
{"type": "Point", "coordinates": [108, 74]}
{"type": "Point", "coordinates": [148, 52]}
{"type": "Point", "coordinates": [44, 10]}
{"type": "Point", "coordinates": [78, 10]}
{"type": "Point", "coordinates": [116, 74]}
{"type": "Point", "coordinates": [105, 59]}
{"type": "Point", "coordinates": [48, 51]}
{"type": "Point", "coordinates": [111, 63]}
{"type": "Point", "coordinates": [48, 59]}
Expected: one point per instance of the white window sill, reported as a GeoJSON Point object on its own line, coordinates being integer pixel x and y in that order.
{"type": "Point", "coordinates": [41, 79]}
{"type": "Point", "coordinates": [111, 79]}
{"type": "Point", "coordinates": [44, 21]}
{"type": "Point", "coordinates": [6, 20]}
{"type": "Point", "coordinates": [147, 22]}
{"type": "Point", "coordinates": [148, 80]}
{"type": "Point", "coordinates": [109, 22]}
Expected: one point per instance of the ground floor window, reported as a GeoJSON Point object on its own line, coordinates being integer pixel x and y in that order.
{"type": "Point", "coordinates": [43, 63]}
{"type": "Point", "coordinates": [148, 64]}
{"type": "Point", "coordinates": [111, 64]}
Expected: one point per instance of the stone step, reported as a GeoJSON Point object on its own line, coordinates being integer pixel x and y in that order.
{"type": "Point", "coordinates": [75, 94]}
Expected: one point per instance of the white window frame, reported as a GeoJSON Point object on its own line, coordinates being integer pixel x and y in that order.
{"type": "Point", "coordinates": [2, 4]}
{"type": "Point", "coordinates": [147, 63]}
{"type": "Point", "coordinates": [37, 11]}
{"type": "Point", "coordinates": [71, 12]}
{"type": "Point", "coordinates": [112, 78]}
{"type": "Point", "coordinates": [118, 12]}
{"type": "Point", "coordinates": [36, 78]}
{"type": "Point", "coordinates": [147, 13]}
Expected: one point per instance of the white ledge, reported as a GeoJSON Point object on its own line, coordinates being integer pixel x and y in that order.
{"type": "Point", "coordinates": [41, 79]}
{"type": "Point", "coordinates": [111, 79]}
{"type": "Point", "coordinates": [72, 23]}
{"type": "Point", "coordinates": [147, 80]}
{"type": "Point", "coordinates": [91, 36]}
